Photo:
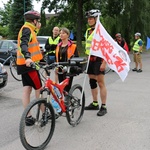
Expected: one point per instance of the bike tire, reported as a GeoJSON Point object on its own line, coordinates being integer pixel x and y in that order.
{"type": "Point", "coordinates": [13, 70]}
{"type": "Point", "coordinates": [38, 136]}
{"type": "Point", "coordinates": [75, 105]}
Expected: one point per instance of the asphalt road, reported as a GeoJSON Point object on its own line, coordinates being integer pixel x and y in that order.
{"type": "Point", "coordinates": [126, 126]}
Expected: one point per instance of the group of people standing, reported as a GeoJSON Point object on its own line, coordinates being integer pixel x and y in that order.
{"type": "Point", "coordinates": [137, 49]}
{"type": "Point", "coordinates": [60, 48]}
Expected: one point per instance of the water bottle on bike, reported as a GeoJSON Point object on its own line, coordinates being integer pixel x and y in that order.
{"type": "Point", "coordinates": [57, 92]}
{"type": "Point", "coordinates": [54, 103]}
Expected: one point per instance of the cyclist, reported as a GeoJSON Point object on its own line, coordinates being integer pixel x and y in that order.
{"type": "Point", "coordinates": [137, 50]}
{"type": "Point", "coordinates": [95, 69]}
{"type": "Point", "coordinates": [51, 44]}
{"type": "Point", "coordinates": [27, 53]}
{"type": "Point", "coordinates": [121, 41]}
{"type": "Point", "coordinates": [50, 47]}
{"type": "Point", "coordinates": [64, 51]}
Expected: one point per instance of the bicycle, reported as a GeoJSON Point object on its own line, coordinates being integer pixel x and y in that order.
{"type": "Point", "coordinates": [12, 66]}
{"type": "Point", "coordinates": [72, 103]}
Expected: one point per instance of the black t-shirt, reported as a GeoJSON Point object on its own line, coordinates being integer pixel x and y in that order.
{"type": "Point", "coordinates": [62, 55]}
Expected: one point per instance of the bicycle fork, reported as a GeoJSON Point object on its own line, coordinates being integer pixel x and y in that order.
{"type": "Point", "coordinates": [45, 115]}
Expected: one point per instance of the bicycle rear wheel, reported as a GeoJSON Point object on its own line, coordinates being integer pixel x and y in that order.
{"type": "Point", "coordinates": [2, 60]}
{"type": "Point", "coordinates": [13, 70]}
{"type": "Point", "coordinates": [37, 136]}
{"type": "Point", "coordinates": [107, 69]}
{"type": "Point", "coordinates": [75, 105]}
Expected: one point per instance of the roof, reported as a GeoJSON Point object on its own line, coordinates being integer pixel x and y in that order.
{"type": "Point", "coordinates": [49, 16]}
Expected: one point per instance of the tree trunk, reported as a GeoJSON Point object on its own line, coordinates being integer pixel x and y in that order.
{"type": "Point", "coordinates": [79, 24]}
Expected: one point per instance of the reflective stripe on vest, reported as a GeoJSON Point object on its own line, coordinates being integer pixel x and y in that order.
{"type": "Point", "coordinates": [70, 51]}
{"type": "Point", "coordinates": [33, 47]}
{"type": "Point", "coordinates": [53, 42]}
{"type": "Point", "coordinates": [88, 41]}
{"type": "Point", "coordinates": [136, 46]}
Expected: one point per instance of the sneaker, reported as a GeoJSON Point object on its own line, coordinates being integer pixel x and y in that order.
{"type": "Point", "coordinates": [102, 111]}
{"type": "Point", "coordinates": [30, 121]}
{"type": "Point", "coordinates": [134, 69]}
{"type": "Point", "coordinates": [91, 107]}
{"type": "Point", "coordinates": [139, 70]}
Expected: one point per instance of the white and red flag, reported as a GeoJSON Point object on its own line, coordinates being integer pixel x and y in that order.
{"type": "Point", "coordinates": [104, 46]}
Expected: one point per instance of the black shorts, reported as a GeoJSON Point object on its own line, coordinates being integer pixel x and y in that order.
{"type": "Point", "coordinates": [32, 78]}
{"type": "Point", "coordinates": [94, 68]}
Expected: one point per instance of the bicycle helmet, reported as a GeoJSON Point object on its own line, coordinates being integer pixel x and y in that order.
{"type": "Point", "coordinates": [118, 35]}
{"type": "Point", "coordinates": [138, 34]}
{"type": "Point", "coordinates": [31, 15]}
{"type": "Point", "coordinates": [93, 13]}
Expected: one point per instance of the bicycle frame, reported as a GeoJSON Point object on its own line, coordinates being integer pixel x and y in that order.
{"type": "Point", "coordinates": [49, 84]}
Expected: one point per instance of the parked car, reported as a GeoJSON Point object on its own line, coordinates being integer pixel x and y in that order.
{"type": "Point", "coordinates": [42, 41]}
{"type": "Point", "coordinates": [6, 45]}
{"type": "Point", "coordinates": [3, 76]}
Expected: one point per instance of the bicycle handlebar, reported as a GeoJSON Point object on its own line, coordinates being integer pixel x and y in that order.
{"type": "Point", "coordinates": [72, 62]}
{"type": "Point", "coordinates": [75, 62]}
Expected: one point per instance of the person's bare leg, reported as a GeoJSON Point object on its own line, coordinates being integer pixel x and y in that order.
{"type": "Point", "coordinates": [94, 91]}
{"type": "Point", "coordinates": [26, 95]}
{"type": "Point", "coordinates": [37, 93]}
{"type": "Point", "coordinates": [136, 65]}
{"type": "Point", "coordinates": [103, 90]}
{"type": "Point", "coordinates": [141, 65]}
{"type": "Point", "coordinates": [103, 95]}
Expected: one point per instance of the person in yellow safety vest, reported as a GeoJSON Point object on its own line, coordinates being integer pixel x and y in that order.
{"type": "Point", "coordinates": [137, 50]}
{"type": "Point", "coordinates": [51, 44]}
{"type": "Point", "coordinates": [96, 68]}
{"type": "Point", "coordinates": [65, 50]}
{"type": "Point", "coordinates": [27, 53]}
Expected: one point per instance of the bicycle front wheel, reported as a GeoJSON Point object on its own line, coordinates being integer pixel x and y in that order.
{"type": "Point", "coordinates": [13, 71]}
{"type": "Point", "coordinates": [75, 105]}
{"type": "Point", "coordinates": [37, 135]}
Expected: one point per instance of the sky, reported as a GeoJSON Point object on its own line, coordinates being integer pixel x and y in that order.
{"type": "Point", "coordinates": [37, 5]}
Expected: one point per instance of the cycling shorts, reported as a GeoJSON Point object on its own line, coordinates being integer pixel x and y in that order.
{"type": "Point", "coordinates": [94, 66]}
{"type": "Point", "coordinates": [32, 78]}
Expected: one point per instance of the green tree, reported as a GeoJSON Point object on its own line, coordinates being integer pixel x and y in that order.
{"type": "Point", "coordinates": [70, 13]}
{"type": "Point", "coordinates": [43, 18]}
{"type": "Point", "coordinates": [124, 16]}
{"type": "Point", "coordinates": [5, 13]}
{"type": "Point", "coordinates": [4, 18]}
{"type": "Point", "coordinates": [17, 19]}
